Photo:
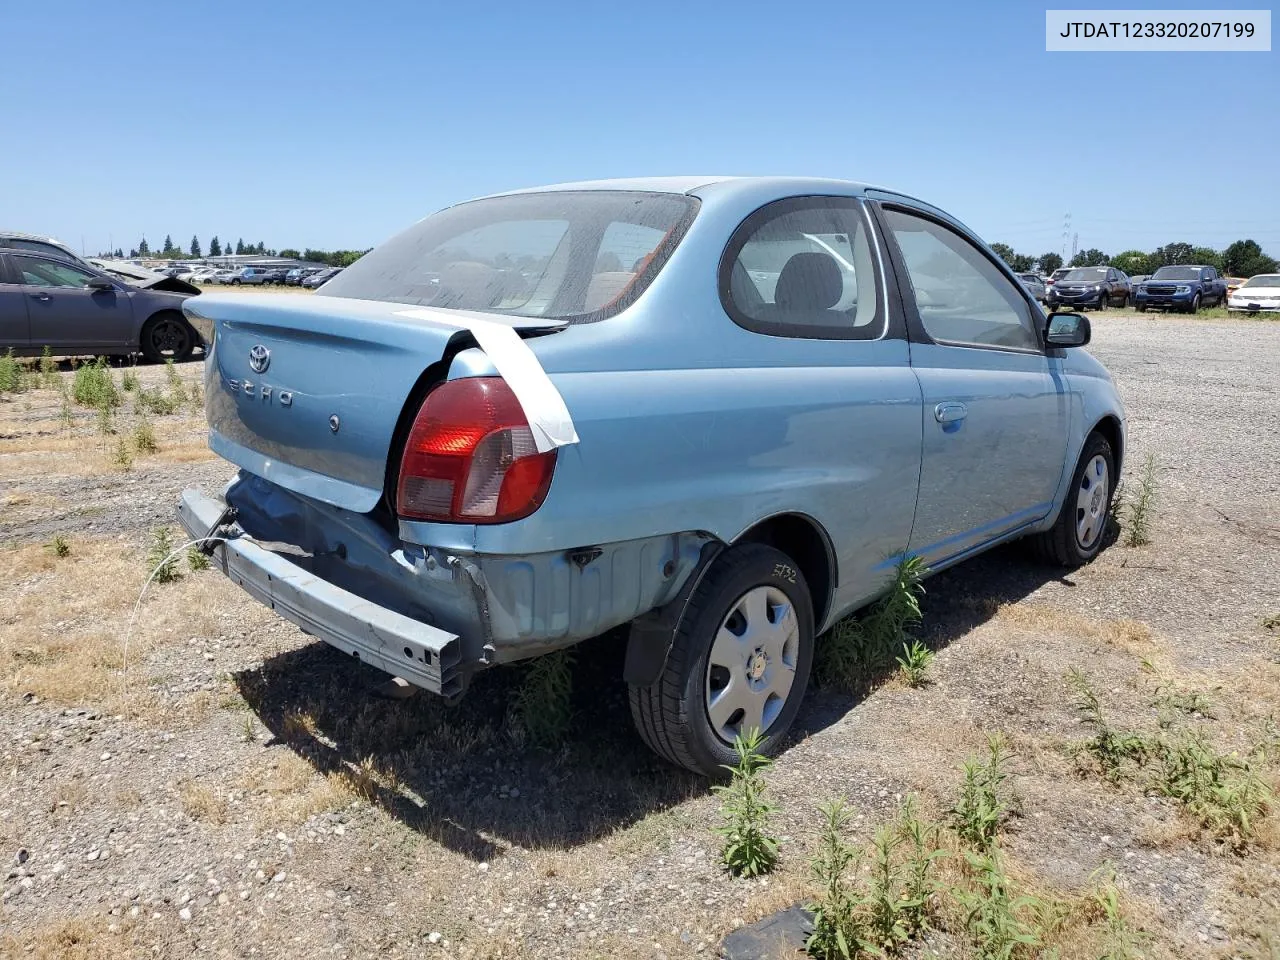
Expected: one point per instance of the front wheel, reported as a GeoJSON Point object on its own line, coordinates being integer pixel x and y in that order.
{"type": "Point", "coordinates": [1195, 304]}
{"type": "Point", "coordinates": [167, 336]}
{"type": "Point", "coordinates": [1076, 536]}
{"type": "Point", "coordinates": [739, 659]}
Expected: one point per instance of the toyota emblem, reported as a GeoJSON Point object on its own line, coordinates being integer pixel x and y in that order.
{"type": "Point", "coordinates": [259, 358]}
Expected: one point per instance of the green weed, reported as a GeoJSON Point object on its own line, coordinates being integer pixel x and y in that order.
{"type": "Point", "coordinates": [1223, 792]}
{"type": "Point", "coordinates": [1137, 511]}
{"type": "Point", "coordinates": [921, 841]}
{"type": "Point", "coordinates": [13, 374]}
{"type": "Point", "coordinates": [836, 911]}
{"type": "Point", "coordinates": [129, 381]}
{"type": "Point", "coordinates": [1122, 942]}
{"type": "Point", "coordinates": [154, 401]}
{"type": "Point", "coordinates": [144, 437]}
{"type": "Point", "coordinates": [59, 546]}
{"type": "Point", "coordinates": [160, 559]}
{"type": "Point", "coordinates": [858, 650]}
{"type": "Point", "coordinates": [543, 707]}
{"type": "Point", "coordinates": [915, 662]}
{"type": "Point", "coordinates": [1108, 746]}
{"type": "Point", "coordinates": [748, 849]}
{"type": "Point", "coordinates": [977, 814]}
{"type": "Point", "coordinates": [122, 455]}
{"type": "Point", "coordinates": [49, 370]}
{"type": "Point", "coordinates": [197, 559]}
{"type": "Point", "coordinates": [1002, 926]}
{"type": "Point", "coordinates": [93, 386]}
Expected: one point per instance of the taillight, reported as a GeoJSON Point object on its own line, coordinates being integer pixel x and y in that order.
{"type": "Point", "coordinates": [470, 457]}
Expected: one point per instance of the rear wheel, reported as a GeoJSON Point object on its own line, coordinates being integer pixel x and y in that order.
{"type": "Point", "coordinates": [739, 659]}
{"type": "Point", "coordinates": [1076, 536]}
{"type": "Point", "coordinates": [167, 336]}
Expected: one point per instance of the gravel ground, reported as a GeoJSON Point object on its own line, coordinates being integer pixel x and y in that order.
{"type": "Point", "coordinates": [232, 789]}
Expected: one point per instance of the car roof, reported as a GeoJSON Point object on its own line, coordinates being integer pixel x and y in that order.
{"type": "Point", "coordinates": [696, 184]}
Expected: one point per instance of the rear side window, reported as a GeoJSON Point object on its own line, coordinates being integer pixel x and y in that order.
{"type": "Point", "coordinates": [568, 255]}
{"type": "Point", "coordinates": [961, 297]}
{"type": "Point", "coordinates": [803, 267]}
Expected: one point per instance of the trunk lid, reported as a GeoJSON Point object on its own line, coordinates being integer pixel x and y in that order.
{"type": "Point", "coordinates": [307, 390]}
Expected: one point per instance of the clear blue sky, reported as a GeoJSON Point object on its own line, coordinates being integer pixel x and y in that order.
{"type": "Point", "coordinates": [333, 124]}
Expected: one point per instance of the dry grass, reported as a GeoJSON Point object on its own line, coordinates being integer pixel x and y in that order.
{"type": "Point", "coordinates": [73, 939]}
{"type": "Point", "coordinates": [203, 802]}
{"type": "Point", "coordinates": [64, 621]}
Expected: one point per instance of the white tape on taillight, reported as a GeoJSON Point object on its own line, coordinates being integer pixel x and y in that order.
{"type": "Point", "coordinates": [549, 419]}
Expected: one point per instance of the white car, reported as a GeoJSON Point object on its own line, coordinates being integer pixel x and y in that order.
{"type": "Point", "coordinates": [223, 276]}
{"type": "Point", "coordinates": [1260, 294]}
{"type": "Point", "coordinates": [202, 275]}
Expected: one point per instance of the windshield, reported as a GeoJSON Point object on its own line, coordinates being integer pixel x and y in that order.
{"type": "Point", "coordinates": [567, 255]}
{"type": "Point", "coordinates": [1177, 273]}
{"type": "Point", "coordinates": [1087, 273]}
{"type": "Point", "coordinates": [1262, 280]}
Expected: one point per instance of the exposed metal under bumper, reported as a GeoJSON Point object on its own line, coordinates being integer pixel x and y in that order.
{"type": "Point", "coordinates": [424, 655]}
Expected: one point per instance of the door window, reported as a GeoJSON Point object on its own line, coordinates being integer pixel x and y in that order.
{"type": "Point", "coordinates": [803, 268]}
{"type": "Point", "coordinates": [51, 273]}
{"type": "Point", "coordinates": [961, 296]}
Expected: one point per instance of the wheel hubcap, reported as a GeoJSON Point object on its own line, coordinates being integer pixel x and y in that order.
{"type": "Point", "coordinates": [1091, 502]}
{"type": "Point", "coordinates": [752, 664]}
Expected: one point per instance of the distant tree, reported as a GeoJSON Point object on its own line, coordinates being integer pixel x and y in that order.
{"type": "Point", "coordinates": [1092, 257]}
{"type": "Point", "coordinates": [119, 254]}
{"type": "Point", "coordinates": [215, 247]}
{"type": "Point", "coordinates": [1245, 258]}
{"type": "Point", "coordinates": [239, 247]}
{"type": "Point", "coordinates": [1049, 262]}
{"type": "Point", "coordinates": [195, 247]}
{"type": "Point", "coordinates": [1207, 256]}
{"type": "Point", "coordinates": [1173, 254]}
{"type": "Point", "coordinates": [290, 253]}
{"type": "Point", "coordinates": [169, 249]}
{"type": "Point", "coordinates": [1003, 251]}
{"type": "Point", "coordinates": [143, 249]}
{"type": "Point", "coordinates": [1134, 262]}
{"type": "Point", "coordinates": [262, 247]}
{"type": "Point", "coordinates": [1021, 263]}
{"type": "Point", "coordinates": [133, 253]}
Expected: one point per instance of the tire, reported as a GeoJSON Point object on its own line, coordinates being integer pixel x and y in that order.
{"type": "Point", "coordinates": [672, 713]}
{"type": "Point", "coordinates": [236, 282]}
{"type": "Point", "coordinates": [1140, 307]}
{"type": "Point", "coordinates": [1070, 542]}
{"type": "Point", "coordinates": [1102, 300]}
{"type": "Point", "coordinates": [1195, 304]}
{"type": "Point", "coordinates": [167, 336]}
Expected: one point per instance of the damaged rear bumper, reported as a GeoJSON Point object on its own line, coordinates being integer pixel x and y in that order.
{"type": "Point", "coordinates": [426, 656]}
{"type": "Point", "coordinates": [431, 615]}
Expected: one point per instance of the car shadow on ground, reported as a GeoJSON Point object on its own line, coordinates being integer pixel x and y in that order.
{"type": "Point", "coordinates": [464, 775]}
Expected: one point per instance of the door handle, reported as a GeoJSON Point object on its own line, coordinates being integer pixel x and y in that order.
{"type": "Point", "coordinates": [41, 296]}
{"type": "Point", "coordinates": [952, 412]}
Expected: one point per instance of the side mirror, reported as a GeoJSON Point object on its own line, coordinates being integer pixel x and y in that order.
{"type": "Point", "coordinates": [100, 283]}
{"type": "Point", "coordinates": [1067, 330]}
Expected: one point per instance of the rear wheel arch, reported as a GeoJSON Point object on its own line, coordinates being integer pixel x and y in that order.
{"type": "Point", "coordinates": [805, 541]}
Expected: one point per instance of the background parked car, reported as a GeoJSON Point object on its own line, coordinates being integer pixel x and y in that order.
{"type": "Point", "coordinates": [15, 240]}
{"type": "Point", "coordinates": [1096, 287]}
{"type": "Point", "coordinates": [1233, 283]}
{"type": "Point", "coordinates": [1034, 285]}
{"type": "Point", "coordinates": [295, 276]}
{"type": "Point", "coordinates": [321, 278]}
{"type": "Point", "coordinates": [224, 276]}
{"type": "Point", "coordinates": [75, 309]}
{"type": "Point", "coordinates": [1260, 294]}
{"type": "Point", "coordinates": [1055, 277]}
{"type": "Point", "coordinates": [1186, 288]}
{"type": "Point", "coordinates": [250, 276]}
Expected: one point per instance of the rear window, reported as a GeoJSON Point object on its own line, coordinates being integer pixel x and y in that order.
{"type": "Point", "coordinates": [566, 255]}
